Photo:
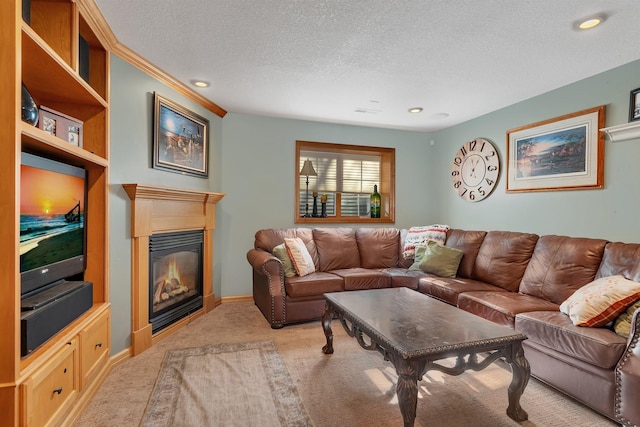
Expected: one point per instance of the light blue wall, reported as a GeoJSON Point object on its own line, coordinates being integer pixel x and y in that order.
{"type": "Point", "coordinates": [131, 145]}
{"type": "Point", "coordinates": [252, 162]}
{"type": "Point", "coordinates": [258, 175]}
{"type": "Point", "coordinates": [610, 213]}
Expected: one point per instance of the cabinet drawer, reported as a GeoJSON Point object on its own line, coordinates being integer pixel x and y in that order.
{"type": "Point", "coordinates": [48, 394]}
{"type": "Point", "coordinates": [94, 348]}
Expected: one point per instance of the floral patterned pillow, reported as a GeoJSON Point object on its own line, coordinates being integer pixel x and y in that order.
{"type": "Point", "coordinates": [601, 301]}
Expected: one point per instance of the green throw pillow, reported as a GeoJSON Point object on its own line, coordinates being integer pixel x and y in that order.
{"type": "Point", "coordinates": [419, 253]}
{"type": "Point", "coordinates": [622, 325]}
{"type": "Point", "coordinates": [440, 260]}
{"type": "Point", "coordinates": [280, 252]}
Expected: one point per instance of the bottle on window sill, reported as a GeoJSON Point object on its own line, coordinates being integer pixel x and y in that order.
{"type": "Point", "coordinates": [375, 203]}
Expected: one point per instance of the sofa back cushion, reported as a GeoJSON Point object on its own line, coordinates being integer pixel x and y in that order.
{"type": "Point", "coordinates": [620, 258]}
{"type": "Point", "coordinates": [378, 247]}
{"type": "Point", "coordinates": [269, 238]}
{"type": "Point", "coordinates": [503, 258]}
{"type": "Point", "coordinates": [337, 248]}
{"type": "Point", "coordinates": [560, 265]}
{"type": "Point", "coordinates": [469, 243]}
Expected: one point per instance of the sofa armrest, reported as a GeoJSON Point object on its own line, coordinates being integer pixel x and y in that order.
{"type": "Point", "coordinates": [627, 410]}
{"type": "Point", "coordinates": [268, 286]}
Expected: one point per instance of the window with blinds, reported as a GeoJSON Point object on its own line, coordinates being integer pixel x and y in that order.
{"type": "Point", "coordinates": [346, 175]}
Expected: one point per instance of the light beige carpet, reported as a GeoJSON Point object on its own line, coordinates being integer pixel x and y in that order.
{"type": "Point", "coordinates": [351, 387]}
{"type": "Point", "coordinates": [225, 384]}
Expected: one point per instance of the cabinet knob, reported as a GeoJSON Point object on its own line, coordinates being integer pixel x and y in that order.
{"type": "Point", "coordinates": [58, 390]}
{"type": "Point", "coordinates": [99, 345]}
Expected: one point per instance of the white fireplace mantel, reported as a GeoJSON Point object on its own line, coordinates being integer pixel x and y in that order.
{"type": "Point", "coordinates": [162, 210]}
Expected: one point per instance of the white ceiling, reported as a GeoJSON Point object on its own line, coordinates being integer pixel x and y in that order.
{"type": "Point", "coordinates": [365, 62]}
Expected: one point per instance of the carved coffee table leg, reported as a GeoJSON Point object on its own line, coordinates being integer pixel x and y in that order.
{"type": "Point", "coordinates": [521, 373]}
{"type": "Point", "coordinates": [407, 389]}
{"type": "Point", "coordinates": [326, 327]}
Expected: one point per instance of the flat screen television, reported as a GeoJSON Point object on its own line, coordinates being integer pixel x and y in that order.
{"type": "Point", "coordinates": [53, 199]}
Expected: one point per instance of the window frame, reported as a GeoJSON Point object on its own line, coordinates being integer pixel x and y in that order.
{"type": "Point", "coordinates": [386, 186]}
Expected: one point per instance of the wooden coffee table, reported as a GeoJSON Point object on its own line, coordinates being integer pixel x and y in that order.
{"type": "Point", "coordinates": [414, 331]}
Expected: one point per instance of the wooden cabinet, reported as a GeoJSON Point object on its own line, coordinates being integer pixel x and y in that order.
{"type": "Point", "coordinates": [58, 52]}
{"type": "Point", "coordinates": [94, 348]}
{"type": "Point", "coordinates": [48, 394]}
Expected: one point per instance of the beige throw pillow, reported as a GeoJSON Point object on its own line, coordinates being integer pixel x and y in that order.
{"type": "Point", "coordinates": [300, 257]}
{"type": "Point", "coordinates": [281, 253]}
{"type": "Point", "coordinates": [599, 302]}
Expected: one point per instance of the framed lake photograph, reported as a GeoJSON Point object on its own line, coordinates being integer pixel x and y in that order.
{"type": "Point", "coordinates": [180, 139]}
{"type": "Point", "coordinates": [564, 153]}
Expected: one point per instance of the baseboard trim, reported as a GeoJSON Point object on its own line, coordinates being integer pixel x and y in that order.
{"type": "Point", "coordinates": [238, 298]}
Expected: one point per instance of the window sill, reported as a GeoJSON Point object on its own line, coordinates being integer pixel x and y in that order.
{"type": "Point", "coordinates": [344, 220]}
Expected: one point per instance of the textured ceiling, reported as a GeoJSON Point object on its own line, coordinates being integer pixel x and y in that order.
{"type": "Point", "coordinates": [366, 62]}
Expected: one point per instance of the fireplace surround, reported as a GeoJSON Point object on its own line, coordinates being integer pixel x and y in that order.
{"type": "Point", "coordinates": [158, 210]}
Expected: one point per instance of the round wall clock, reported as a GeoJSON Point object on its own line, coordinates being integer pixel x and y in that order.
{"type": "Point", "coordinates": [475, 169]}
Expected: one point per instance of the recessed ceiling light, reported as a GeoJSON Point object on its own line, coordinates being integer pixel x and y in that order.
{"type": "Point", "coordinates": [439, 116]}
{"type": "Point", "coordinates": [415, 110]}
{"type": "Point", "coordinates": [590, 22]}
{"type": "Point", "coordinates": [200, 83]}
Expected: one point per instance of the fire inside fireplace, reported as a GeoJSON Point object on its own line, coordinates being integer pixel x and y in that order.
{"type": "Point", "coordinates": [175, 277]}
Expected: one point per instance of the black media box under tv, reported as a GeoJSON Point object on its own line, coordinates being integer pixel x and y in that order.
{"type": "Point", "coordinates": [45, 314]}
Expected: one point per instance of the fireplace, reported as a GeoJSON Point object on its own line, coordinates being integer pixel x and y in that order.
{"type": "Point", "coordinates": [175, 277]}
{"type": "Point", "coordinates": [161, 211]}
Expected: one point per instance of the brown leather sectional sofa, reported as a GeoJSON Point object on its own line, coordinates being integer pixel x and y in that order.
{"type": "Point", "coordinates": [512, 278]}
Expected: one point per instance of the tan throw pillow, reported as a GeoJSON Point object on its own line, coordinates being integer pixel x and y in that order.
{"type": "Point", "coordinates": [419, 236]}
{"type": "Point", "coordinates": [300, 257]}
{"type": "Point", "coordinates": [281, 253]}
{"type": "Point", "coordinates": [440, 260]}
{"type": "Point", "coordinates": [599, 302]}
{"type": "Point", "coordinates": [622, 325]}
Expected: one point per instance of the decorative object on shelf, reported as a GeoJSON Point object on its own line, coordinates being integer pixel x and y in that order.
{"type": "Point", "coordinates": [323, 202]}
{"type": "Point", "coordinates": [375, 200]}
{"type": "Point", "coordinates": [564, 153]}
{"type": "Point", "coordinates": [63, 126]}
{"type": "Point", "coordinates": [180, 139]}
{"type": "Point", "coordinates": [29, 107]}
{"type": "Point", "coordinates": [307, 170]}
{"type": "Point", "coordinates": [623, 132]}
{"type": "Point", "coordinates": [314, 212]}
{"type": "Point", "coordinates": [475, 169]}
{"type": "Point", "coordinates": [634, 105]}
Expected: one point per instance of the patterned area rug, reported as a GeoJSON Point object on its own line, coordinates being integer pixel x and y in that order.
{"type": "Point", "coordinates": [225, 385]}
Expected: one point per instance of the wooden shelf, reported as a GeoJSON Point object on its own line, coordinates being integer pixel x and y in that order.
{"type": "Point", "coordinates": [623, 132]}
{"type": "Point", "coordinates": [38, 141]}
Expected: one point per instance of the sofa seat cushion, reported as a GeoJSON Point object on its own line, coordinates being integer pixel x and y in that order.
{"type": "Point", "coordinates": [553, 329]}
{"type": "Point", "coordinates": [448, 289]}
{"type": "Point", "coordinates": [312, 284]}
{"type": "Point", "coordinates": [362, 278]}
{"type": "Point", "coordinates": [502, 307]}
{"type": "Point", "coordinates": [402, 277]}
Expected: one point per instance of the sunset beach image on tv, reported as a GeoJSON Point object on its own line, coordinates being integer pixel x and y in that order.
{"type": "Point", "coordinates": [51, 216]}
